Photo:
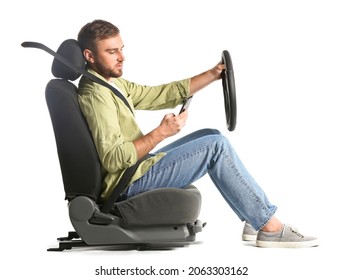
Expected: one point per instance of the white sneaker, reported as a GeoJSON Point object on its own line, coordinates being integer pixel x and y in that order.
{"type": "Point", "coordinates": [288, 237]}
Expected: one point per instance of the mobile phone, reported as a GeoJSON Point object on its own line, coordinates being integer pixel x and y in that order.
{"type": "Point", "coordinates": [186, 104]}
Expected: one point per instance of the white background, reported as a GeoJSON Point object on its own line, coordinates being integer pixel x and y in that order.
{"type": "Point", "coordinates": [287, 57]}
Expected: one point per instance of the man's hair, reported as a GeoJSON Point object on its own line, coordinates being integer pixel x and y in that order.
{"type": "Point", "coordinates": [95, 31]}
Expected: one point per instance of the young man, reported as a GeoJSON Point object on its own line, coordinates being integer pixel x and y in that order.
{"type": "Point", "coordinates": [120, 143]}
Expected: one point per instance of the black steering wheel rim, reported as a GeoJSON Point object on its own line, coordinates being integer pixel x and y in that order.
{"type": "Point", "coordinates": [229, 90]}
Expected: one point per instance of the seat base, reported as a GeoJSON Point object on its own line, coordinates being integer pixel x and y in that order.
{"type": "Point", "coordinates": [138, 224]}
{"type": "Point", "coordinates": [73, 240]}
{"type": "Point", "coordinates": [95, 228]}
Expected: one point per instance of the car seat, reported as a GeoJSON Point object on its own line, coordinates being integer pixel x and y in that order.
{"type": "Point", "coordinates": [164, 217]}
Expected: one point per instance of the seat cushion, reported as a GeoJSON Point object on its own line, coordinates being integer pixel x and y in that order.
{"type": "Point", "coordinates": [161, 207]}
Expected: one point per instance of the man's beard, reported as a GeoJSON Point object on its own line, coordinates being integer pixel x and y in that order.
{"type": "Point", "coordinates": [108, 73]}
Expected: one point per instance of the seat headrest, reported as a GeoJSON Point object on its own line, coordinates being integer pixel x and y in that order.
{"type": "Point", "coordinates": [70, 50]}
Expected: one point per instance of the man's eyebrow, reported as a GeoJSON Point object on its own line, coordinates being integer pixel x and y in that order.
{"type": "Point", "coordinates": [114, 49]}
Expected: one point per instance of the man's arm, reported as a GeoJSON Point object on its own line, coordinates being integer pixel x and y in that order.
{"type": "Point", "coordinates": [202, 80]}
{"type": "Point", "coordinates": [169, 126]}
{"type": "Point", "coordinates": [172, 124]}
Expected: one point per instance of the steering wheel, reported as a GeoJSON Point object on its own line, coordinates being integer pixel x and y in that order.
{"type": "Point", "coordinates": [229, 90]}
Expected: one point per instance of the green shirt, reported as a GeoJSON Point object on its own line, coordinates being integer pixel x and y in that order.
{"type": "Point", "coordinates": [114, 127]}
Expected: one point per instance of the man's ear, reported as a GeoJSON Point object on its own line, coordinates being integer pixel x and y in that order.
{"type": "Point", "coordinates": [88, 55]}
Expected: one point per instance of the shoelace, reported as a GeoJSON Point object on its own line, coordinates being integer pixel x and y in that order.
{"type": "Point", "coordinates": [293, 230]}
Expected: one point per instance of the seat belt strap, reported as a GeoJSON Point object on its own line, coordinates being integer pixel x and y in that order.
{"type": "Point", "coordinates": [122, 185]}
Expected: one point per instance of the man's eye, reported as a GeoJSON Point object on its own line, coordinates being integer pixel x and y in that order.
{"type": "Point", "coordinates": [115, 51]}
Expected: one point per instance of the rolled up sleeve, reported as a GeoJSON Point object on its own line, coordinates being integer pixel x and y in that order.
{"type": "Point", "coordinates": [156, 97]}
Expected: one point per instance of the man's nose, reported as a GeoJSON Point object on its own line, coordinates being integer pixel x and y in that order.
{"type": "Point", "coordinates": [121, 56]}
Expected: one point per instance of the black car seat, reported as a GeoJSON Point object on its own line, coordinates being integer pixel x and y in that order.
{"type": "Point", "coordinates": [162, 217]}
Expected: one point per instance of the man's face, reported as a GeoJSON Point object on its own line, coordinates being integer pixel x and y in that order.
{"type": "Point", "coordinates": [108, 57]}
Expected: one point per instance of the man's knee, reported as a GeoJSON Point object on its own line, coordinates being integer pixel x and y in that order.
{"type": "Point", "coordinates": [210, 131]}
{"type": "Point", "coordinates": [222, 142]}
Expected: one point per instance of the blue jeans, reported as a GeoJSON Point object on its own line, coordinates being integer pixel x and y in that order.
{"type": "Point", "coordinates": [208, 152]}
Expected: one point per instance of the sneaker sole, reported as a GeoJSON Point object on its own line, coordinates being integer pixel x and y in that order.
{"type": "Point", "coordinates": [270, 244]}
{"type": "Point", "coordinates": [249, 237]}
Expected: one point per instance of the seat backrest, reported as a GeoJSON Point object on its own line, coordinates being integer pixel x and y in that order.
{"type": "Point", "coordinates": [79, 162]}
